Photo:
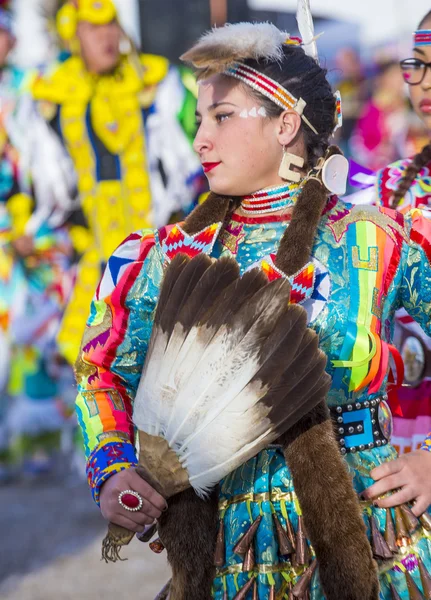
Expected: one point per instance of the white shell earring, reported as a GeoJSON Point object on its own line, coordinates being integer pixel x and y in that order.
{"type": "Point", "coordinates": [334, 174]}
{"type": "Point", "coordinates": [285, 172]}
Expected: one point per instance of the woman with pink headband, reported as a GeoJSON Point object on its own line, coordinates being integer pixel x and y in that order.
{"type": "Point", "coordinates": [319, 512]}
{"type": "Point", "coordinates": [406, 185]}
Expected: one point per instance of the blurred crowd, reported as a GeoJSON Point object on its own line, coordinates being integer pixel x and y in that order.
{"type": "Point", "coordinates": [92, 147]}
{"type": "Point", "coordinates": [379, 124]}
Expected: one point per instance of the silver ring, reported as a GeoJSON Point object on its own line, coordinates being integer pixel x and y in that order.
{"type": "Point", "coordinates": [133, 503]}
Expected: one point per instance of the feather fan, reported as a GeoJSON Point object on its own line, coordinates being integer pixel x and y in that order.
{"type": "Point", "coordinates": [227, 364]}
{"type": "Point", "coordinates": [220, 47]}
{"type": "Point", "coordinates": [231, 366]}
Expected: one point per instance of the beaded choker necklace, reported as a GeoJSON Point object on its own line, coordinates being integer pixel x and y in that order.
{"type": "Point", "coordinates": [269, 200]}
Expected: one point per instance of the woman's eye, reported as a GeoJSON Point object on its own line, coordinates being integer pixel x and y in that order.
{"type": "Point", "coordinates": [222, 117]}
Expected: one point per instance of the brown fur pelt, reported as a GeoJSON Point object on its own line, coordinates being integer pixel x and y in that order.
{"type": "Point", "coordinates": [213, 210]}
{"type": "Point", "coordinates": [330, 508]}
{"type": "Point", "coordinates": [311, 450]}
{"type": "Point", "coordinates": [292, 256]}
{"type": "Point", "coordinates": [188, 531]}
{"type": "Point", "coordinates": [298, 239]}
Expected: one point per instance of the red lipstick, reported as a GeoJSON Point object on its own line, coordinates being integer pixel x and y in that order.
{"type": "Point", "coordinates": [209, 166]}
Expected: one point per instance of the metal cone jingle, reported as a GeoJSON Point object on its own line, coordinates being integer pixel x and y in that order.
{"type": "Point", "coordinates": [302, 555]}
{"type": "Point", "coordinates": [425, 579]}
{"type": "Point", "coordinates": [291, 532]}
{"type": "Point", "coordinates": [425, 520]}
{"type": "Point", "coordinates": [403, 536]}
{"type": "Point", "coordinates": [301, 586]}
{"type": "Point", "coordinates": [255, 591]}
{"type": "Point", "coordinates": [412, 522]}
{"type": "Point", "coordinates": [249, 562]}
{"type": "Point", "coordinates": [241, 595]}
{"type": "Point", "coordinates": [219, 554]}
{"type": "Point", "coordinates": [390, 536]}
{"type": "Point", "coordinates": [243, 544]}
{"type": "Point", "coordinates": [379, 546]}
{"type": "Point", "coordinates": [414, 592]}
{"type": "Point", "coordinates": [285, 546]}
{"type": "Point", "coordinates": [395, 594]}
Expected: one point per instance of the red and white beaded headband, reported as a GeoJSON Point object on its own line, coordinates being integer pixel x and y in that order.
{"type": "Point", "coordinates": [269, 88]}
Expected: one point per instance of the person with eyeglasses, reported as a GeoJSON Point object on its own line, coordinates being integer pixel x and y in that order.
{"type": "Point", "coordinates": [405, 185]}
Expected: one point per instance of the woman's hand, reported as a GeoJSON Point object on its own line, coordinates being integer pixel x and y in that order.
{"type": "Point", "coordinates": [153, 503]}
{"type": "Point", "coordinates": [410, 475]}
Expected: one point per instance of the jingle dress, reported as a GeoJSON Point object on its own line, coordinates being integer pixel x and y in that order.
{"type": "Point", "coordinates": [365, 263]}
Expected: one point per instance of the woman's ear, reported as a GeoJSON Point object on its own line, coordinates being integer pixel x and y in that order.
{"type": "Point", "coordinates": [288, 125]}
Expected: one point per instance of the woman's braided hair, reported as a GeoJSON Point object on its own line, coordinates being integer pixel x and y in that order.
{"type": "Point", "coordinates": [418, 163]}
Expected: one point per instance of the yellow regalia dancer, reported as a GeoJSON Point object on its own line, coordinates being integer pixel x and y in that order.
{"type": "Point", "coordinates": [115, 114]}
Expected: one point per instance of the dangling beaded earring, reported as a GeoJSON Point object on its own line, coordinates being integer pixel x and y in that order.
{"type": "Point", "coordinates": [285, 172]}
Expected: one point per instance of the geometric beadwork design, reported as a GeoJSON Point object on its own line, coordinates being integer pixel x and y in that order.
{"type": "Point", "coordinates": [302, 282]}
{"type": "Point", "coordinates": [179, 242]}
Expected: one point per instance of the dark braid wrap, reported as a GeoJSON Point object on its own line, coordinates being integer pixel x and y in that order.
{"type": "Point", "coordinates": [322, 482]}
{"type": "Point", "coordinates": [415, 167]}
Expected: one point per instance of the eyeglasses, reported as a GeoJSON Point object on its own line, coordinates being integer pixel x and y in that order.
{"type": "Point", "coordinates": [413, 70]}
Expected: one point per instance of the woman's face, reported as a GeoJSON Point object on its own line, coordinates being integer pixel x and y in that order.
{"type": "Point", "coordinates": [238, 145]}
{"type": "Point", "coordinates": [421, 94]}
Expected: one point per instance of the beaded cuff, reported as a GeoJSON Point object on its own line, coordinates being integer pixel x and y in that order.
{"type": "Point", "coordinates": [110, 457]}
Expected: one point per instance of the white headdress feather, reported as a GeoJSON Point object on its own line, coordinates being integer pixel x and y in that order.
{"type": "Point", "coordinates": [306, 28]}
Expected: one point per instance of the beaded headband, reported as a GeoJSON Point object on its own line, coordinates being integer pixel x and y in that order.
{"type": "Point", "coordinates": [422, 37]}
{"type": "Point", "coordinates": [269, 88]}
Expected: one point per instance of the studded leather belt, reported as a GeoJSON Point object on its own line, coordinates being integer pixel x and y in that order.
{"type": "Point", "coordinates": [362, 425]}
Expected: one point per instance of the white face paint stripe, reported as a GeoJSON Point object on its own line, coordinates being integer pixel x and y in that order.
{"type": "Point", "coordinates": [254, 112]}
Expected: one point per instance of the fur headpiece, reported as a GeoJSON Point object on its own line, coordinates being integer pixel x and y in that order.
{"type": "Point", "coordinates": [221, 47]}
